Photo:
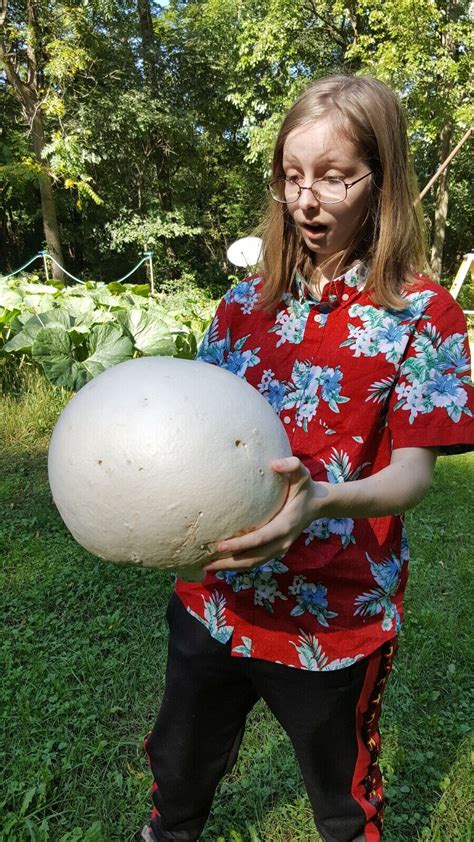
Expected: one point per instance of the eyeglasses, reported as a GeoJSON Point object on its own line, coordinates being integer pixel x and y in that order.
{"type": "Point", "coordinates": [328, 191]}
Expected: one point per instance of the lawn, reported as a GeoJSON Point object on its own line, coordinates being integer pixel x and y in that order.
{"type": "Point", "coordinates": [83, 668]}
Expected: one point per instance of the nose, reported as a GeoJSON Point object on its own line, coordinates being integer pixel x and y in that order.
{"type": "Point", "coordinates": [307, 199]}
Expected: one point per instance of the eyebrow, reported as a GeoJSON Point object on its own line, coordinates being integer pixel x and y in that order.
{"type": "Point", "coordinates": [324, 161]}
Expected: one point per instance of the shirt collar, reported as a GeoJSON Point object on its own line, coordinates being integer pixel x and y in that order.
{"type": "Point", "coordinates": [340, 290]}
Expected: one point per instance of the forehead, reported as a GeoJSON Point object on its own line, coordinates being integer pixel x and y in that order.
{"type": "Point", "coordinates": [321, 140]}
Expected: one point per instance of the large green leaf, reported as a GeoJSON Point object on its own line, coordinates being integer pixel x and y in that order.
{"type": "Point", "coordinates": [101, 295]}
{"type": "Point", "coordinates": [24, 340]}
{"type": "Point", "coordinates": [108, 346]}
{"type": "Point", "coordinates": [151, 336]}
{"type": "Point", "coordinates": [10, 299]}
{"type": "Point", "coordinates": [38, 289]}
{"type": "Point", "coordinates": [54, 351]}
{"type": "Point", "coordinates": [82, 309]}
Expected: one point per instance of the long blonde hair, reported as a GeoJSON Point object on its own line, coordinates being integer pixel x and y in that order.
{"type": "Point", "coordinates": [391, 240]}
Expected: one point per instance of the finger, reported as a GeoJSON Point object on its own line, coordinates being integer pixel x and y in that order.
{"type": "Point", "coordinates": [247, 560]}
{"type": "Point", "coordinates": [251, 540]}
{"type": "Point", "coordinates": [287, 466]}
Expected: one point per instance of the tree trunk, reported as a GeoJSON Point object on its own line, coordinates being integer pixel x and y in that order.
{"type": "Point", "coordinates": [160, 151]}
{"type": "Point", "coordinates": [48, 204]}
{"type": "Point", "coordinates": [448, 45]}
{"type": "Point", "coordinates": [148, 43]}
{"type": "Point", "coordinates": [441, 207]}
{"type": "Point", "coordinates": [27, 92]}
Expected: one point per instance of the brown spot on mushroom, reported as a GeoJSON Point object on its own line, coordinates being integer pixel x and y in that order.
{"type": "Point", "coordinates": [239, 443]}
{"type": "Point", "coordinates": [99, 461]}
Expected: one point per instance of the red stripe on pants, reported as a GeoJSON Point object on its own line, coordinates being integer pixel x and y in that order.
{"type": "Point", "coordinates": [367, 786]}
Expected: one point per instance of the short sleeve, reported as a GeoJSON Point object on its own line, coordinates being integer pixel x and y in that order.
{"type": "Point", "coordinates": [432, 404]}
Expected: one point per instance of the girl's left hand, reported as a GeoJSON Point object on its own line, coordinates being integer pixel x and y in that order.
{"type": "Point", "coordinates": [276, 537]}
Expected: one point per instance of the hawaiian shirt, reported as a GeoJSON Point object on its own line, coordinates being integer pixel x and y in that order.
{"type": "Point", "coordinates": [350, 381]}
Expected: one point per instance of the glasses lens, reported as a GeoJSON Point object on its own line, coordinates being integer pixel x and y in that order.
{"type": "Point", "coordinates": [292, 191]}
{"type": "Point", "coordinates": [279, 192]}
{"type": "Point", "coordinates": [330, 190]}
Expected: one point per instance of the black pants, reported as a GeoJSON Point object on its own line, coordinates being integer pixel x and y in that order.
{"type": "Point", "coordinates": [331, 718]}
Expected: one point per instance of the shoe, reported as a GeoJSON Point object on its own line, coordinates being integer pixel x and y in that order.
{"type": "Point", "coordinates": [148, 835]}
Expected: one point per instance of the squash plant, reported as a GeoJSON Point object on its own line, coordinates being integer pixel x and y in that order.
{"type": "Point", "coordinates": [74, 333]}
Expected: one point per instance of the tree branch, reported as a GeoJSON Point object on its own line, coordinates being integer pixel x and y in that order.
{"type": "Point", "coordinates": [311, 8]}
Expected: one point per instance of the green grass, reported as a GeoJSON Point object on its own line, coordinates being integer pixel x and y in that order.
{"type": "Point", "coordinates": [83, 668]}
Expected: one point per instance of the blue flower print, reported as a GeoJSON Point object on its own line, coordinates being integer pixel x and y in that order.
{"type": "Point", "coordinates": [393, 339]}
{"type": "Point", "coordinates": [220, 352]}
{"type": "Point", "coordinates": [311, 597]}
{"type": "Point", "coordinates": [385, 332]}
{"type": "Point", "coordinates": [323, 528]}
{"type": "Point", "coordinates": [330, 383]}
{"type": "Point", "coordinates": [377, 601]}
{"type": "Point", "coordinates": [303, 395]}
{"type": "Point", "coordinates": [275, 391]}
{"type": "Point", "coordinates": [244, 294]}
{"type": "Point", "coordinates": [417, 302]}
{"type": "Point", "coordinates": [445, 389]}
{"type": "Point", "coordinates": [260, 578]}
{"type": "Point", "coordinates": [435, 376]}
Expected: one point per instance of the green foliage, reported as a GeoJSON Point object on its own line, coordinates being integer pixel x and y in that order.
{"type": "Point", "coordinates": [74, 333]}
{"type": "Point", "coordinates": [173, 154]}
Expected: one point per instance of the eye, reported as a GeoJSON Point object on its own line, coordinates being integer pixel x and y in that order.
{"type": "Point", "coordinates": [292, 178]}
{"type": "Point", "coordinates": [333, 179]}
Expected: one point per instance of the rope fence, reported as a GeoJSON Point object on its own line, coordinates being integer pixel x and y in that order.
{"type": "Point", "coordinates": [44, 255]}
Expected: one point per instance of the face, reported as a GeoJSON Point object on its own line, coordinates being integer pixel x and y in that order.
{"type": "Point", "coordinates": [317, 151]}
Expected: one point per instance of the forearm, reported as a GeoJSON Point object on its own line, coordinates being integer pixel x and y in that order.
{"type": "Point", "coordinates": [394, 489]}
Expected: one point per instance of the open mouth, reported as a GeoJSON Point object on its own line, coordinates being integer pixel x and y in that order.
{"type": "Point", "coordinates": [315, 228]}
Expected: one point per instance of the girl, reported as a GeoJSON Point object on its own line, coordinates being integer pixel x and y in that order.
{"type": "Point", "coordinates": [366, 362]}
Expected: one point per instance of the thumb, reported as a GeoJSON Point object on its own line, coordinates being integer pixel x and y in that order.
{"type": "Point", "coordinates": [287, 466]}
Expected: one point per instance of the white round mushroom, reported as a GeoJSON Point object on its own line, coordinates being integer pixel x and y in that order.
{"type": "Point", "coordinates": [157, 459]}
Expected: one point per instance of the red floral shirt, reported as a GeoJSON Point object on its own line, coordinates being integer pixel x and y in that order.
{"type": "Point", "coordinates": [351, 382]}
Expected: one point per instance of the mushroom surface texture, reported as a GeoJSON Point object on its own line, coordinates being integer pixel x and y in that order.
{"type": "Point", "coordinates": [157, 459]}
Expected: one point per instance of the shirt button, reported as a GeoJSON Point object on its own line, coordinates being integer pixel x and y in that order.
{"type": "Point", "coordinates": [287, 419]}
{"type": "Point", "coordinates": [345, 297]}
{"type": "Point", "coordinates": [318, 317]}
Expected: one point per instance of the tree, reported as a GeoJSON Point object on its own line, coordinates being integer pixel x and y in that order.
{"type": "Point", "coordinates": [22, 55]}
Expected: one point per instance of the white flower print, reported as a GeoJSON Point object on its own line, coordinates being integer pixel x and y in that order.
{"type": "Point", "coordinates": [308, 384]}
{"type": "Point", "coordinates": [290, 324]}
{"type": "Point", "coordinates": [261, 579]}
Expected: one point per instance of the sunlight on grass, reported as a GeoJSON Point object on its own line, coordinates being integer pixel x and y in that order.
{"type": "Point", "coordinates": [28, 418]}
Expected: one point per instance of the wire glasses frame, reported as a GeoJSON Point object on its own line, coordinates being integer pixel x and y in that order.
{"type": "Point", "coordinates": [330, 193]}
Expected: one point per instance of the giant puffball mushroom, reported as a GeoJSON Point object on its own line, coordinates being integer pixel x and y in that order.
{"type": "Point", "coordinates": [157, 459]}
